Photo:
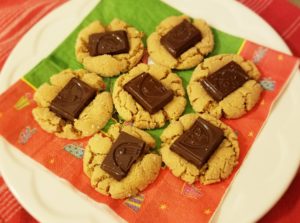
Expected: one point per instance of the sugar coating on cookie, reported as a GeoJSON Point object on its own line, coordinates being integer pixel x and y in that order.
{"type": "Point", "coordinates": [93, 117]}
{"type": "Point", "coordinates": [109, 65]}
{"type": "Point", "coordinates": [190, 58]}
{"type": "Point", "coordinates": [141, 174]}
{"type": "Point", "coordinates": [218, 167]}
{"type": "Point", "coordinates": [234, 105]}
{"type": "Point", "coordinates": [133, 112]}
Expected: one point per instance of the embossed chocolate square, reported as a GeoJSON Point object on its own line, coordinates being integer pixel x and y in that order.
{"type": "Point", "coordinates": [124, 152]}
{"type": "Point", "coordinates": [181, 38]}
{"type": "Point", "coordinates": [72, 99]}
{"type": "Point", "coordinates": [225, 81]}
{"type": "Point", "coordinates": [199, 142]}
{"type": "Point", "coordinates": [115, 42]}
{"type": "Point", "coordinates": [149, 92]}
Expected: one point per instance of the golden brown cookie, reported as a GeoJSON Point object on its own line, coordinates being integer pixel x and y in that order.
{"type": "Point", "coordinates": [190, 58]}
{"type": "Point", "coordinates": [93, 118]}
{"type": "Point", "coordinates": [109, 65]}
{"type": "Point", "coordinates": [236, 104]}
{"type": "Point", "coordinates": [133, 112]}
{"type": "Point", "coordinates": [140, 175]}
{"type": "Point", "coordinates": [220, 164]}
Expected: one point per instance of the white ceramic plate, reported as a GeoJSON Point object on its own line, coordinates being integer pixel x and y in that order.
{"type": "Point", "coordinates": [263, 177]}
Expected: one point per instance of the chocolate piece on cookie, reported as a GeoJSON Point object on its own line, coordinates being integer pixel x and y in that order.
{"type": "Point", "coordinates": [121, 153]}
{"type": "Point", "coordinates": [124, 152]}
{"type": "Point", "coordinates": [163, 95]}
{"type": "Point", "coordinates": [72, 99]}
{"type": "Point", "coordinates": [199, 147]}
{"type": "Point", "coordinates": [73, 104]}
{"type": "Point", "coordinates": [180, 42]}
{"type": "Point", "coordinates": [149, 92]}
{"type": "Point", "coordinates": [112, 43]}
{"type": "Point", "coordinates": [198, 143]}
{"type": "Point", "coordinates": [181, 38]}
{"type": "Point", "coordinates": [93, 44]}
{"type": "Point", "coordinates": [225, 80]}
{"type": "Point", "coordinates": [109, 50]}
{"type": "Point", "coordinates": [225, 85]}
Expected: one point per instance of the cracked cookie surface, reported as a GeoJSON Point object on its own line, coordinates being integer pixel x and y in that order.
{"type": "Point", "coordinates": [141, 174]}
{"type": "Point", "coordinates": [93, 118]}
{"type": "Point", "coordinates": [220, 164]}
{"type": "Point", "coordinates": [235, 104]}
{"type": "Point", "coordinates": [109, 65]}
{"type": "Point", "coordinates": [190, 58]}
{"type": "Point", "coordinates": [133, 112]}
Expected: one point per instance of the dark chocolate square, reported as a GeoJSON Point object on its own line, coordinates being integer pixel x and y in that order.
{"type": "Point", "coordinates": [72, 99]}
{"type": "Point", "coordinates": [93, 44]}
{"type": "Point", "coordinates": [225, 81]}
{"type": "Point", "coordinates": [124, 152]}
{"type": "Point", "coordinates": [181, 38]}
{"type": "Point", "coordinates": [115, 42]}
{"type": "Point", "coordinates": [199, 142]}
{"type": "Point", "coordinates": [149, 92]}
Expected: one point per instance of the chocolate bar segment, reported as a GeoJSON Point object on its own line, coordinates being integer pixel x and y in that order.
{"type": "Point", "coordinates": [225, 80]}
{"type": "Point", "coordinates": [124, 152]}
{"type": "Point", "coordinates": [181, 38]}
{"type": "Point", "coordinates": [115, 42]}
{"type": "Point", "coordinates": [93, 44]}
{"type": "Point", "coordinates": [199, 142]}
{"type": "Point", "coordinates": [149, 92]}
{"type": "Point", "coordinates": [72, 99]}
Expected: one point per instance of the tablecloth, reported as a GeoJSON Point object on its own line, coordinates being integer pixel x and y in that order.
{"type": "Point", "coordinates": [18, 16]}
